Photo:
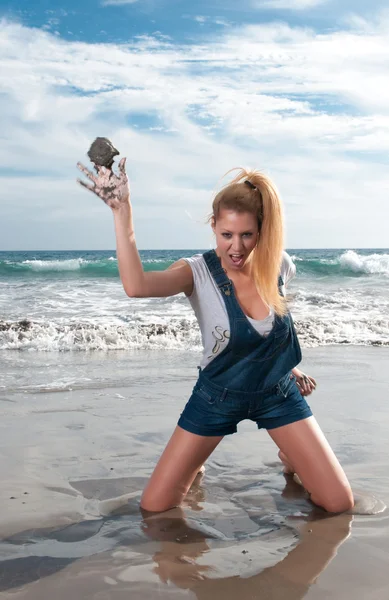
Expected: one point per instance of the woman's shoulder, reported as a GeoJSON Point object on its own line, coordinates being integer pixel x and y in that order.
{"type": "Point", "coordinates": [196, 259]}
{"type": "Point", "coordinates": [288, 268]}
{"type": "Point", "coordinates": [196, 262]}
{"type": "Point", "coordinates": [199, 269]}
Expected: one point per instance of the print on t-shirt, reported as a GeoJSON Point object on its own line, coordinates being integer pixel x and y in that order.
{"type": "Point", "coordinates": [220, 336]}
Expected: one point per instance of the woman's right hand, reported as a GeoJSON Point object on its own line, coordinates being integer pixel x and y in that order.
{"type": "Point", "coordinates": [113, 189]}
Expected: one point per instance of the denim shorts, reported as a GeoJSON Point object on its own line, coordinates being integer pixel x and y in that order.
{"type": "Point", "coordinates": [215, 411]}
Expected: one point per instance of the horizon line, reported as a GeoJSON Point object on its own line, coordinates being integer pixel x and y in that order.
{"type": "Point", "coordinates": [193, 248]}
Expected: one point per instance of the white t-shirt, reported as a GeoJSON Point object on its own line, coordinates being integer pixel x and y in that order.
{"type": "Point", "coordinates": [210, 309]}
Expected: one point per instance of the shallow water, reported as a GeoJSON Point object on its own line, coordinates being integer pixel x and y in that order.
{"type": "Point", "coordinates": [75, 456]}
{"type": "Point", "coordinates": [245, 530]}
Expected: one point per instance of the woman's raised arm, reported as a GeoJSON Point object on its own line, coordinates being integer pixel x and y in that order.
{"type": "Point", "coordinates": [115, 192]}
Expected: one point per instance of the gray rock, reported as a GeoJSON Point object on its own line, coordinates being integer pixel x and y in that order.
{"type": "Point", "coordinates": [102, 152]}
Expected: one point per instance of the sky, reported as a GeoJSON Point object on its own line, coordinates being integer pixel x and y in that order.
{"type": "Point", "coordinates": [186, 91]}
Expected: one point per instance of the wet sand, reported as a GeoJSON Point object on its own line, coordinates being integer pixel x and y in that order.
{"type": "Point", "coordinates": [74, 462]}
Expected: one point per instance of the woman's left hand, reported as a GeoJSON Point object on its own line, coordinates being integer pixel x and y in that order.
{"type": "Point", "coordinates": [305, 383]}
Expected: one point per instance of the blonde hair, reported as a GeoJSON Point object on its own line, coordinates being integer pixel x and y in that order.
{"type": "Point", "coordinates": [252, 191]}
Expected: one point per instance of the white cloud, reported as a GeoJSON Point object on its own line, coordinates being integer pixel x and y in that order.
{"type": "Point", "coordinates": [117, 2]}
{"type": "Point", "coordinates": [214, 20]}
{"type": "Point", "coordinates": [222, 22]}
{"type": "Point", "coordinates": [289, 4]}
{"type": "Point", "coordinates": [301, 105]}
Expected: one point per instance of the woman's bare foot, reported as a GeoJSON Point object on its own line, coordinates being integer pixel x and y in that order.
{"type": "Point", "coordinates": [297, 479]}
{"type": "Point", "coordinates": [287, 466]}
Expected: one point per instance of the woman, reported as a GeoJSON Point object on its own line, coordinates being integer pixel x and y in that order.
{"type": "Point", "coordinates": [250, 346]}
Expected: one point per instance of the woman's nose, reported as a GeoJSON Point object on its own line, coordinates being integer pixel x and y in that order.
{"type": "Point", "coordinates": [237, 245]}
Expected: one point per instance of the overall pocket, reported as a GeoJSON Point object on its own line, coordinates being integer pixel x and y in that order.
{"type": "Point", "coordinates": [200, 391]}
{"type": "Point", "coordinates": [285, 384]}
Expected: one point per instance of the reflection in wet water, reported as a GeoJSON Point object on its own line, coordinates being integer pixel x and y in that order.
{"type": "Point", "coordinates": [239, 549]}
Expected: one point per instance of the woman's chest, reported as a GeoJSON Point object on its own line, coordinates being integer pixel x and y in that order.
{"type": "Point", "coordinates": [250, 301]}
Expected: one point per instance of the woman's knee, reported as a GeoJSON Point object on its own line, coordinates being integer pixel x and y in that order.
{"type": "Point", "coordinates": [157, 498]}
{"type": "Point", "coordinates": [338, 502]}
{"type": "Point", "coordinates": [156, 505]}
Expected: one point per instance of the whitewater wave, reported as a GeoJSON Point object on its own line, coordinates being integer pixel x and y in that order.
{"type": "Point", "coordinates": [349, 263]}
{"type": "Point", "coordinates": [84, 336]}
{"type": "Point", "coordinates": [106, 267]}
{"type": "Point", "coordinates": [370, 264]}
{"type": "Point", "coordinates": [72, 264]}
{"type": "Point", "coordinates": [176, 334]}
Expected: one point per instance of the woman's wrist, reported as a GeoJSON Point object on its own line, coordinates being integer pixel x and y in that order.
{"type": "Point", "coordinates": [123, 216]}
{"type": "Point", "coordinates": [123, 222]}
{"type": "Point", "coordinates": [122, 211]}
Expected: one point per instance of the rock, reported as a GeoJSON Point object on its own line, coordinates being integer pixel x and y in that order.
{"type": "Point", "coordinates": [102, 152]}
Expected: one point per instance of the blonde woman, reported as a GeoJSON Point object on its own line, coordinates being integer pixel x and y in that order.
{"type": "Point", "coordinates": [251, 351]}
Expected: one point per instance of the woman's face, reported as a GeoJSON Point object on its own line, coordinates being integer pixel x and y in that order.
{"type": "Point", "coordinates": [236, 237]}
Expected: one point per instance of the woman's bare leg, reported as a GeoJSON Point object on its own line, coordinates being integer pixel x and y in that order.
{"type": "Point", "coordinates": [307, 453]}
{"type": "Point", "coordinates": [179, 464]}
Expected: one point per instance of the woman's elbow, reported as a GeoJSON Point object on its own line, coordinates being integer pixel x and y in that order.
{"type": "Point", "coordinates": [132, 292]}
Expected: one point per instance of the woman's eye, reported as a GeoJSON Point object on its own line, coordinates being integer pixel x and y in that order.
{"type": "Point", "coordinates": [244, 235]}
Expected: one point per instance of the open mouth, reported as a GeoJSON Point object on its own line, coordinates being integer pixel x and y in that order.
{"type": "Point", "coordinates": [237, 259]}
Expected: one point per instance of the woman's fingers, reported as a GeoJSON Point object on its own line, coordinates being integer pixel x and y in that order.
{"type": "Point", "coordinates": [86, 172]}
{"type": "Point", "coordinates": [313, 382]}
{"type": "Point", "coordinates": [306, 384]}
{"type": "Point", "coordinates": [111, 202]}
{"type": "Point", "coordinates": [310, 385]}
{"type": "Point", "coordinates": [88, 186]}
{"type": "Point", "coordinates": [122, 166]}
{"type": "Point", "coordinates": [303, 381]}
{"type": "Point", "coordinates": [111, 188]}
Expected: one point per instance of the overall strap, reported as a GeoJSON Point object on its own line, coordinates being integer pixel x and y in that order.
{"type": "Point", "coordinates": [280, 285]}
{"type": "Point", "coordinates": [218, 273]}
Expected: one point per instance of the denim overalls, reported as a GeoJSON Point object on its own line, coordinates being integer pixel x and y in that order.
{"type": "Point", "coordinates": [251, 378]}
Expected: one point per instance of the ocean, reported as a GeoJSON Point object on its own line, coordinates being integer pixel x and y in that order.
{"type": "Point", "coordinates": [74, 301]}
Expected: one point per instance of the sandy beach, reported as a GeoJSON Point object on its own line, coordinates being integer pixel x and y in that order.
{"type": "Point", "coordinates": [74, 460]}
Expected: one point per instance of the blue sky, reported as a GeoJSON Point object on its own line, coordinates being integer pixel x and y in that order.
{"type": "Point", "coordinates": [187, 91]}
